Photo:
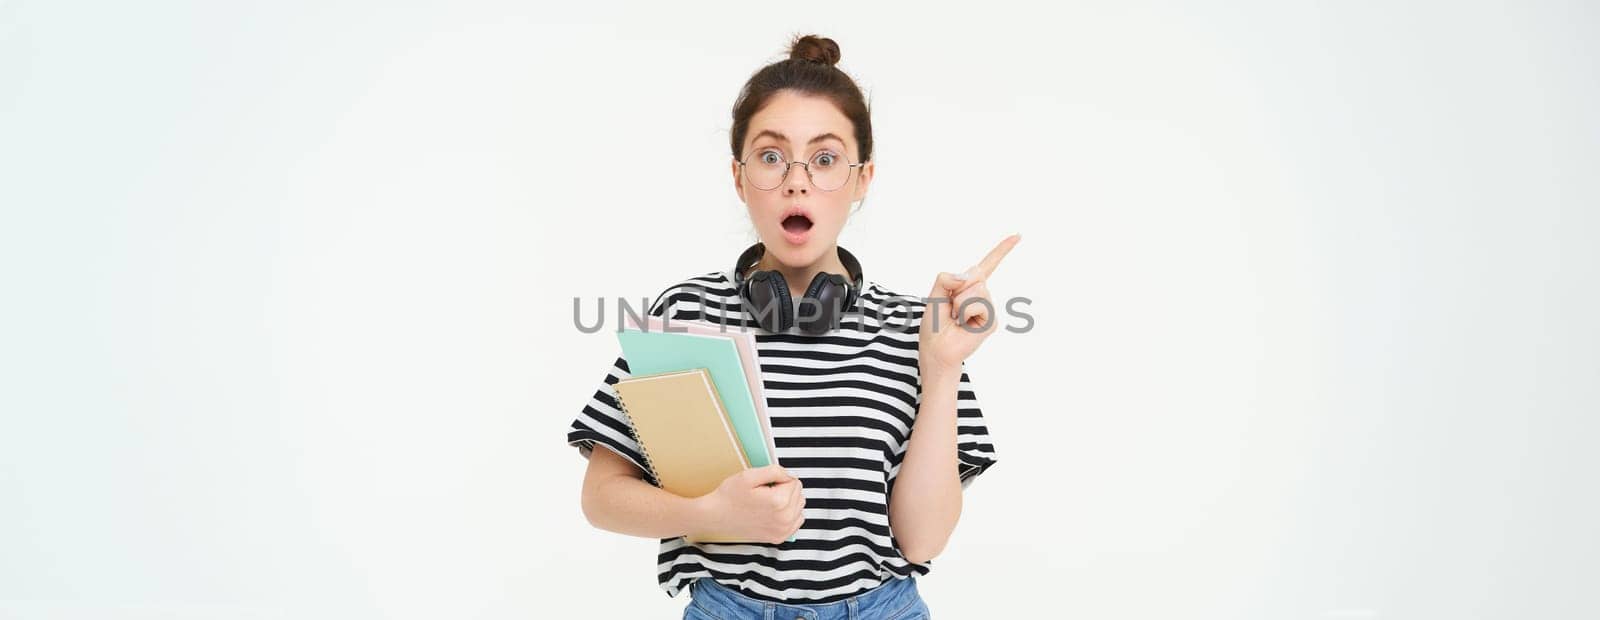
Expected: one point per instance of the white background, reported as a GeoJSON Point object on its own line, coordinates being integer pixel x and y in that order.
{"type": "Point", "coordinates": [287, 297]}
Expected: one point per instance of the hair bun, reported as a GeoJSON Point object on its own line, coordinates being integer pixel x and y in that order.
{"type": "Point", "coordinates": [815, 49]}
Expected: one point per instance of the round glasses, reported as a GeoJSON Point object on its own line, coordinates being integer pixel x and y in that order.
{"type": "Point", "coordinates": [766, 169]}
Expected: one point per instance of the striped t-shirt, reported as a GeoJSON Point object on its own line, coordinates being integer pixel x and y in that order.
{"type": "Point", "coordinates": [841, 406]}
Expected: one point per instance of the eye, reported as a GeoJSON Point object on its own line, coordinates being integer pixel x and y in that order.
{"type": "Point", "coordinates": [771, 158]}
{"type": "Point", "coordinates": [825, 159]}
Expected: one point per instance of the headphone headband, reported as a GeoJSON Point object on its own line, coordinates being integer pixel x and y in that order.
{"type": "Point", "coordinates": [753, 254]}
{"type": "Point", "coordinates": [767, 289]}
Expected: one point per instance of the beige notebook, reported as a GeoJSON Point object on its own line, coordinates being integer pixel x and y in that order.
{"type": "Point", "coordinates": [683, 432]}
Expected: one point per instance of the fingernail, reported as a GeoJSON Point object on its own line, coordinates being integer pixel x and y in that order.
{"type": "Point", "coordinates": [961, 276]}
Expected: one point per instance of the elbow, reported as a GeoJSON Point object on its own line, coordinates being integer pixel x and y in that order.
{"type": "Point", "coordinates": [918, 557]}
{"type": "Point", "coordinates": [921, 553]}
{"type": "Point", "coordinates": [590, 506]}
{"type": "Point", "coordinates": [919, 545]}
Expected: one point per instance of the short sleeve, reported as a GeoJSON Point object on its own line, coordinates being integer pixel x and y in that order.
{"type": "Point", "coordinates": [602, 422]}
{"type": "Point", "coordinates": [974, 448]}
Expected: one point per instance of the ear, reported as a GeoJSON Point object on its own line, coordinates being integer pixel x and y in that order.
{"type": "Point", "coordinates": [738, 181]}
{"type": "Point", "coordinates": [863, 179]}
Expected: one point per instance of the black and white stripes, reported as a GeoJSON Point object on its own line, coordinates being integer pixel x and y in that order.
{"type": "Point", "coordinates": [842, 405]}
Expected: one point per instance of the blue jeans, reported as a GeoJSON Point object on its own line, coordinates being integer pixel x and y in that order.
{"type": "Point", "coordinates": [895, 599]}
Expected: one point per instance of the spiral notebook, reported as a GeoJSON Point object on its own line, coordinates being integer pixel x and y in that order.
{"type": "Point", "coordinates": [683, 432]}
{"type": "Point", "coordinates": [653, 352]}
{"type": "Point", "coordinates": [745, 342]}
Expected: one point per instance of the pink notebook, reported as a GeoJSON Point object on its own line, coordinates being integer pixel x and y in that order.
{"type": "Point", "coordinates": [743, 340]}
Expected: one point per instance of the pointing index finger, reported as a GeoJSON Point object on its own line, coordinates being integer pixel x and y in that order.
{"type": "Point", "coordinates": [985, 267]}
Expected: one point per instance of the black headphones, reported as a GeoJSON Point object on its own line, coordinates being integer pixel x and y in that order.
{"type": "Point", "coordinates": [766, 296]}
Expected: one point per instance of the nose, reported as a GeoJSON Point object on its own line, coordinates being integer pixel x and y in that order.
{"type": "Point", "coordinates": [798, 179]}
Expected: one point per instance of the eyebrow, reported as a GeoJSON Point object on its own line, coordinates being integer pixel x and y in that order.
{"type": "Point", "coordinates": [779, 136]}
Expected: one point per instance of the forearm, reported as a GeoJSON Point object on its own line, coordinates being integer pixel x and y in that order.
{"type": "Point", "coordinates": [632, 506]}
{"type": "Point", "coordinates": [926, 501]}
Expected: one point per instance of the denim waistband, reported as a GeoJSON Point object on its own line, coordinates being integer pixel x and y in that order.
{"type": "Point", "coordinates": [886, 600]}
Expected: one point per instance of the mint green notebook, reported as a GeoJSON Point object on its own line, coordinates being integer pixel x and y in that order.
{"type": "Point", "coordinates": [648, 353]}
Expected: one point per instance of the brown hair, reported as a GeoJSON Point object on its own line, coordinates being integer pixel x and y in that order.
{"type": "Point", "coordinates": [809, 70]}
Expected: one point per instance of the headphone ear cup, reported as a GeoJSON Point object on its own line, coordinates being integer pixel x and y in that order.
{"type": "Point", "coordinates": [766, 298]}
{"type": "Point", "coordinates": [827, 295]}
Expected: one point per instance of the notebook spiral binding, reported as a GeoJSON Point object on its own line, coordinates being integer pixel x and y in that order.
{"type": "Point", "coordinates": [632, 432]}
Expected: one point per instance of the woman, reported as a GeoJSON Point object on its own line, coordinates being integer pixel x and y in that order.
{"type": "Point", "coordinates": [847, 379]}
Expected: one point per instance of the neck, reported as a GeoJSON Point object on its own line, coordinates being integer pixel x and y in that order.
{"type": "Point", "coordinates": [800, 277]}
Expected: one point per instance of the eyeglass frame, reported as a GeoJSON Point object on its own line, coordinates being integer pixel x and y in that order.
{"type": "Point", "coordinates": [789, 167]}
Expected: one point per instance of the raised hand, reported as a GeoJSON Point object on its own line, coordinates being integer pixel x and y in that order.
{"type": "Point", "coordinates": [950, 332]}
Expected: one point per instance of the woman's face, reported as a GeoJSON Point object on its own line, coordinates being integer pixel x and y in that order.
{"type": "Point", "coordinates": [796, 221]}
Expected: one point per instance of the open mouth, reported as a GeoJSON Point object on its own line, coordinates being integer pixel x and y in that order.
{"type": "Point", "coordinates": [796, 224]}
